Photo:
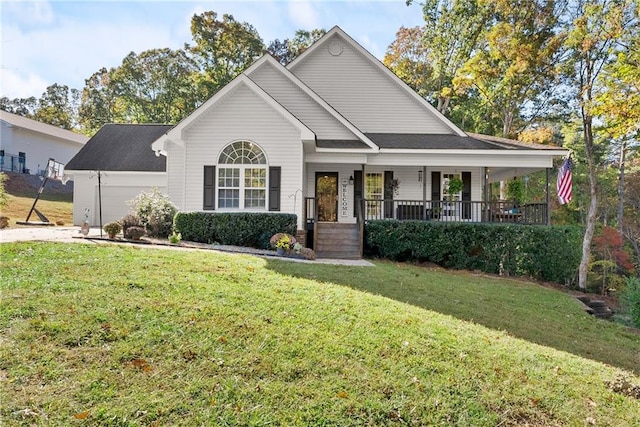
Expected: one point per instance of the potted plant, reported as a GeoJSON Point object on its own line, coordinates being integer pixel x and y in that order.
{"type": "Point", "coordinates": [112, 228]}
{"type": "Point", "coordinates": [282, 242]}
{"type": "Point", "coordinates": [455, 186]}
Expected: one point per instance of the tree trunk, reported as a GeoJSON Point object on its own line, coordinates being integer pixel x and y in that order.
{"type": "Point", "coordinates": [623, 152]}
{"type": "Point", "coordinates": [593, 205]}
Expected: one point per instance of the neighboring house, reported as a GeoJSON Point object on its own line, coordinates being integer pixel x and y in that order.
{"type": "Point", "coordinates": [336, 138]}
{"type": "Point", "coordinates": [27, 145]}
{"type": "Point", "coordinates": [115, 166]}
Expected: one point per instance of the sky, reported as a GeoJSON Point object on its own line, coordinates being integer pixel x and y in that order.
{"type": "Point", "coordinates": [65, 42]}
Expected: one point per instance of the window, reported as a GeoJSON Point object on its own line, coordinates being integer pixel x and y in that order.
{"type": "Point", "coordinates": [374, 189]}
{"type": "Point", "coordinates": [242, 177]}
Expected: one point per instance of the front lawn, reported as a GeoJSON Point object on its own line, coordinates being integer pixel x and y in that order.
{"type": "Point", "coordinates": [114, 335]}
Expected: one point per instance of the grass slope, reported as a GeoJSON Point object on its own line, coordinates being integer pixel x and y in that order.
{"type": "Point", "coordinates": [126, 336]}
{"type": "Point", "coordinates": [526, 310]}
{"type": "Point", "coordinates": [56, 200]}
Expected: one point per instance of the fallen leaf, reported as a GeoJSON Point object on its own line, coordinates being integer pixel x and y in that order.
{"type": "Point", "coordinates": [81, 415]}
{"type": "Point", "coordinates": [342, 394]}
{"type": "Point", "coordinates": [222, 339]}
{"type": "Point", "coordinates": [591, 402]}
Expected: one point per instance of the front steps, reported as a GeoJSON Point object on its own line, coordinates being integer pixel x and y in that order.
{"type": "Point", "coordinates": [338, 241]}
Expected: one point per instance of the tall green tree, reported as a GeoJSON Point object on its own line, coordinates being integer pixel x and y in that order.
{"type": "Point", "coordinates": [98, 104]}
{"type": "Point", "coordinates": [450, 35]}
{"type": "Point", "coordinates": [287, 50]}
{"type": "Point", "coordinates": [25, 107]}
{"type": "Point", "coordinates": [222, 50]}
{"type": "Point", "coordinates": [58, 106]}
{"type": "Point", "coordinates": [593, 31]}
{"type": "Point", "coordinates": [155, 86]}
{"type": "Point", "coordinates": [514, 66]}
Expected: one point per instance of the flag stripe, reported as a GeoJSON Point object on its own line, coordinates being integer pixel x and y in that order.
{"type": "Point", "coordinates": [564, 184]}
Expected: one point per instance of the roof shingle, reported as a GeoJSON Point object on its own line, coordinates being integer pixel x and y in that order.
{"type": "Point", "coordinates": [122, 147]}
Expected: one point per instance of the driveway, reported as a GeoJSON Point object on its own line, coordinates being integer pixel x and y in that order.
{"type": "Point", "coordinates": [64, 234]}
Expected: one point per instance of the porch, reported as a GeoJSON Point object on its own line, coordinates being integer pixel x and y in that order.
{"type": "Point", "coordinates": [330, 238]}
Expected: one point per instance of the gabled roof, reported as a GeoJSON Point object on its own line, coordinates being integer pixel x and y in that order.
{"type": "Point", "coordinates": [379, 65]}
{"type": "Point", "coordinates": [42, 128]}
{"type": "Point", "coordinates": [362, 143]}
{"type": "Point", "coordinates": [175, 134]}
{"type": "Point", "coordinates": [121, 147]}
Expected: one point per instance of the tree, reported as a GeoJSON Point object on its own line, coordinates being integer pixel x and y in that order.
{"type": "Point", "coordinates": [155, 86]}
{"type": "Point", "coordinates": [593, 29]}
{"type": "Point", "coordinates": [617, 103]}
{"type": "Point", "coordinates": [514, 67]}
{"type": "Point", "coordinates": [450, 35]}
{"type": "Point", "coordinates": [25, 107]}
{"type": "Point", "coordinates": [222, 50]}
{"type": "Point", "coordinates": [58, 106]}
{"type": "Point", "coordinates": [98, 102]}
{"type": "Point", "coordinates": [287, 50]}
{"type": "Point", "coordinates": [408, 57]}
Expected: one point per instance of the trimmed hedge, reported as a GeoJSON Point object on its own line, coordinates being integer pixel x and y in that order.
{"type": "Point", "coordinates": [549, 253]}
{"type": "Point", "coordinates": [250, 229]}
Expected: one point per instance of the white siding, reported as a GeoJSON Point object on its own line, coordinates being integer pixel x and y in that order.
{"type": "Point", "coordinates": [117, 189]}
{"type": "Point", "coordinates": [363, 93]}
{"type": "Point", "coordinates": [38, 148]}
{"type": "Point", "coordinates": [175, 172]}
{"type": "Point", "coordinates": [298, 103]}
{"type": "Point", "coordinates": [243, 116]}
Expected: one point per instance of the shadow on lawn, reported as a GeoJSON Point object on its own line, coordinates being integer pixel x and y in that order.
{"type": "Point", "coordinates": [523, 309]}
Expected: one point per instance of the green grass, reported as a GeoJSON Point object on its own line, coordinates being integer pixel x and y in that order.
{"type": "Point", "coordinates": [523, 309]}
{"type": "Point", "coordinates": [111, 335]}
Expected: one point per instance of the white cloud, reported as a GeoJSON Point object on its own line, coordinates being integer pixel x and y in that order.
{"type": "Point", "coordinates": [13, 85]}
{"type": "Point", "coordinates": [303, 14]}
{"type": "Point", "coordinates": [29, 12]}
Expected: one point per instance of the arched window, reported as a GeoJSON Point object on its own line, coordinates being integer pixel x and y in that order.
{"type": "Point", "coordinates": [242, 176]}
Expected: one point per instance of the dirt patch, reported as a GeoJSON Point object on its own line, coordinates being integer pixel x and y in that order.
{"type": "Point", "coordinates": [20, 184]}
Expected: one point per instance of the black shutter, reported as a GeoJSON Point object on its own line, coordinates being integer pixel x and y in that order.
{"type": "Point", "coordinates": [274, 188]}
{"type": "Point", "coordinates": [388, 194]}
{"type": "Point", "coordinates": [466, 195]}
{"type": "Point", "coordinates": [358, 193]}
{"type": "Point", "coordinates": [209, 188]}
{"type": "Point", "coordinates": [435, 194]}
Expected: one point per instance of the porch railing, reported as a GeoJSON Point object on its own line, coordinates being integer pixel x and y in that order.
{"type": "Point", "coordinates": [455, 211]}
{"type": "Point", "coordinates": [443, 211]}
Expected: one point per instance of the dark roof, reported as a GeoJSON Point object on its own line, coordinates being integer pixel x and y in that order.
{"type": "Point", "coordinates": [122, 147]}
{"type": "Point", "coordinates": [340, 143]}
{"type": "Point", "coordinates": [430, 142]}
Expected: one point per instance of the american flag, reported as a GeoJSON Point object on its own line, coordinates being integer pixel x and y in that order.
{"type": "Point", "coordinates": [564, 183]}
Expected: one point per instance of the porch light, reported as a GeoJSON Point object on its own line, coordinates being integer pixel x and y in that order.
{"type": "Point", "coordinates": [420, 176]}
{"type": "Point", "coordinates": [351, 180]}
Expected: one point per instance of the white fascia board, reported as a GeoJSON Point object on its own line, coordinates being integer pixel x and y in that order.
{"type": "Point", "coordinates": [348, 39]}
{"type": "Point", "coordinates": [351, 158]}
{"type": "Point", "coordinates": [512, 159]}
{"type": "Point", "coordinates": [307, 90]}
{"type": "Point", "coordinates": [347, 150]}
{"type": "Point", "coordinates": [491, 153]}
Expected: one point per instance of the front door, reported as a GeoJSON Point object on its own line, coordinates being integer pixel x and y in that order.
{"type": "Point", "coordinates": [327, 196]}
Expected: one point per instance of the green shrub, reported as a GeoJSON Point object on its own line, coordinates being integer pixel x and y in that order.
{"type": "Point", "coordinates": [544, 252]}
{"type": "Point", "coordinates": [130, 220]}
{"type": "Point", "coordinates": [112, 228]}
{"type": "Point", "coordinates": [155, 211]}
{"type": "Point", "coordinates": [251, 229]}
{"type": "Point", "coordinates": [134, 232]}
{"type": "Point", "coordinates": [630, 300]}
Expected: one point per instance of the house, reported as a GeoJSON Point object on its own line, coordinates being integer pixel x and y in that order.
{"type": "Point", "coordinates": [114, 166]}
{"type": "Point", "coordinates": [27, 145]}
{"type": "Point", "coordinates": [338, 139]}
